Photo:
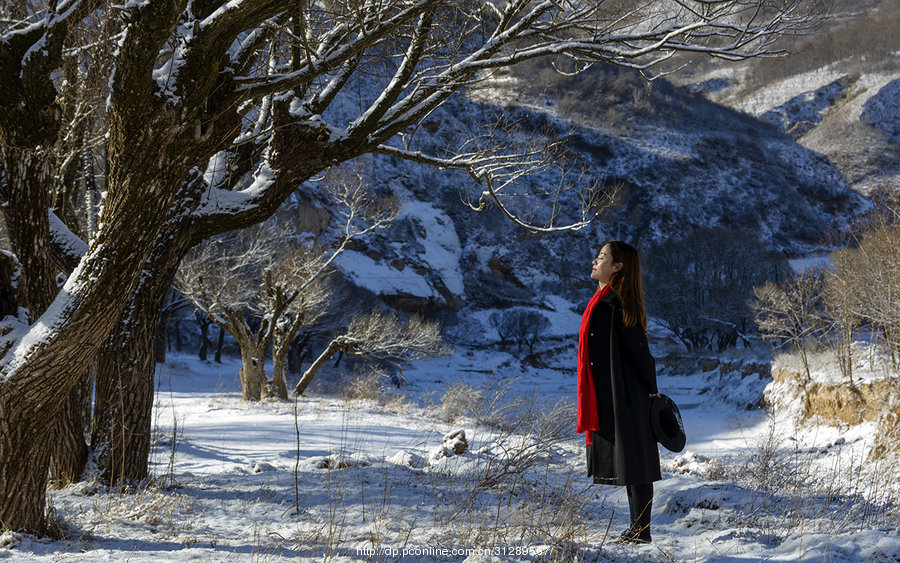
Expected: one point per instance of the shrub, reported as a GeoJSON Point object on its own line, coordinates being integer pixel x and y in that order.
{"type": "Point", "coordinates": [524, 326]}
{"type": "Point", "coordinates": [791, 313]}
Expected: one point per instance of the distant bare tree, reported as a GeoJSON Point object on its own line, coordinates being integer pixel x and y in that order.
{"type": "Point", "coordinates": [262, 285]}
{"type": "Point", "coordinates": [878, 288]}
{"type": "Point", "coordinates": [859, 290]}
{"type": "Point", "coordinates": [863, 289]}
{"type": "Point", "coordinates": [501, 323]}
{"type": "Point", "coordinates": [843, 302]}
{"type": "Point", "coordinates": [229, 281]}
{"type": "Point", "coordinates": [381, 336]}
{"type": "Point", "coordinates": [524, 326]}
{"type": "Point", "coordinates": [791, 312]}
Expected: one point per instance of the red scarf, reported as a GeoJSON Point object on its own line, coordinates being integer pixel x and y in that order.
{"type": "Point", "coordinates": [587, 419]}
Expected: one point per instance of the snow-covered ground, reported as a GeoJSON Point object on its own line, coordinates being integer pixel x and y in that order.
{"type": "Point", "coordinates": [351, 479]}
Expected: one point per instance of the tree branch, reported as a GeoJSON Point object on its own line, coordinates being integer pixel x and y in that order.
{"type": "Point", "coordinates": [68, 248]}
{"type": "Point", "coordinates": [336, 56]}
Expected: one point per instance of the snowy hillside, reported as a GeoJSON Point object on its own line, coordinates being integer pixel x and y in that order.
{"type": "Point", "coordinates": [837, 94]}
{"type": "Point", "coordinates": [680, 162]}
{"type": "Point", "coordinates": [852, 119]}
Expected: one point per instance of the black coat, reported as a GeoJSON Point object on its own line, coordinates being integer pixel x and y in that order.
{"type": "Point", "coordinates": [624, 451]}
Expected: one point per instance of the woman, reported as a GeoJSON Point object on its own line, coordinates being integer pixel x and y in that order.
{"type": "Point", "coordinates": [616, 378]}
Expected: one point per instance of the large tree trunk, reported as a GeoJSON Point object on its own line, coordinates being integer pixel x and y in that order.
{"type": "Point", "coordinates": [69, 449]}
{"type": "Point", "coordinates": [39, 374]}
{"type": "Point", "coordinates": [120, 440]}
{"type": "Point", "coordinates": [253, 373]}
{"type": "Point", "coordinates": [127, 366]}
{"type": "Point", "coordinates": [24, 457]}
{"type": "Point", "coordinates": [24, 474]}
{"type": "Point", "coordinates": [124, 395]}
{"type": "Point", "coordinates": [28, 178]}
{"type": "Point", "coordinates": [278, 388]}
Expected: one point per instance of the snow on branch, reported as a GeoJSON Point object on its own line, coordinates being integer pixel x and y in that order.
{"type": "Point", "coordinates": [68, 248]}
{"type": "Point", "coordinates": [381, 336]}
{"type": "Point", "coordinates": [218, 201]}
{"type": "Point", "coordinates": [639, 37]}
{"type": "Point", "coordinates": [426, 50]}
{"type": "Point", "coordinates": [387, 336]}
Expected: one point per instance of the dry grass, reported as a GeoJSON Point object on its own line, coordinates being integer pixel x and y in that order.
{"type": "Point", "coordinates": [788, 489]}
{"type": "Point", "coordinates": [887, 438]}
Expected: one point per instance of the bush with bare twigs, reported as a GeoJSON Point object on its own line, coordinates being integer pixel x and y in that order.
{"type": "Point", "coordinates": [380, 336]}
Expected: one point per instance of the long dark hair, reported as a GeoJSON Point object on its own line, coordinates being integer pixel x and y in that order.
{"type": "Point", "coordinates": [627, 283]}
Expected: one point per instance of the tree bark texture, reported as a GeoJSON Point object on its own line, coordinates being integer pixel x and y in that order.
{"type": "Point", "coordinates": [120, 440]}
{"type": "Point", "coordinates": [69, 448]}
{"type": "Point", "coordinates": [126, 370]}
{"type": "Point", "coordinates": [24, 458]}
{"type": "Point", "coordinates": [38, 378]}
{"type": "Point", "coordinates": [333, 347]}
{"type": "Point", "coordinates": [278, 387]}
{"type": "Point", "coordinates": [28, 175]}
{"type": "Point", "coordinates": [253, 374]}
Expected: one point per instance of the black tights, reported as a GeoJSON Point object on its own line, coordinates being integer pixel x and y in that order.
{"type": "Point", "coordinates": [640, 501]}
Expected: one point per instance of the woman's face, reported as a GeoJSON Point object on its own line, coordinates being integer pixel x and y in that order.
{"type": "Point", "coordinates": [603, 266]}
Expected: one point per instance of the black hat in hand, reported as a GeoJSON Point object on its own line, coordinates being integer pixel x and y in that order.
{"type": "Point", "coordinates": [666, 422]}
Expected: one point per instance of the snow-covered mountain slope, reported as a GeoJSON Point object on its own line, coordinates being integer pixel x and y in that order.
{"type": "Point", "coordinates": [838, 93]}
{"type": "Point", "coordinates": [850, 118]}
{"type": "Point", "coordinates": [681, 162]}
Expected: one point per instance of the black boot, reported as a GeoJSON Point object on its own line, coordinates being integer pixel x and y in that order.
{"type": "Point", "coordinates": [640, 502]}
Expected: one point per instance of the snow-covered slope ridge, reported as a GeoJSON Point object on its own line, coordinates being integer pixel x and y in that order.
{"type": "Point", "coordinates": [681, 162]}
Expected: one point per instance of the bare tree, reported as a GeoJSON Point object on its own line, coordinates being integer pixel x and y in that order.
{"type": "Point", "coordinates": [501, 323]}
{"type": "Point", "coordinates": [792, 311]}
{"type": "Point", "coordinates": [248, 286]}
{"type": "Point", "coordinates": [250, 83]}
{"type": "Point", "coordinates": [380, 336]}
{"type": "Point", "coordinates": [524, 326]}
{"type": "Point", "coordinates": [226, 279]}
{"type": "Point", "coordinates": [842, 305]}
{"type": "Point", "coordinates": [307, 306]}
{"type": "Point", "coordinates": [860, 290]}
{"type": "Point", "coordinates": [878, 284]}
{"type": "Point", "coordinates": [863, 290]}
{"type": "Point", "coordinates": [262, 285]}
